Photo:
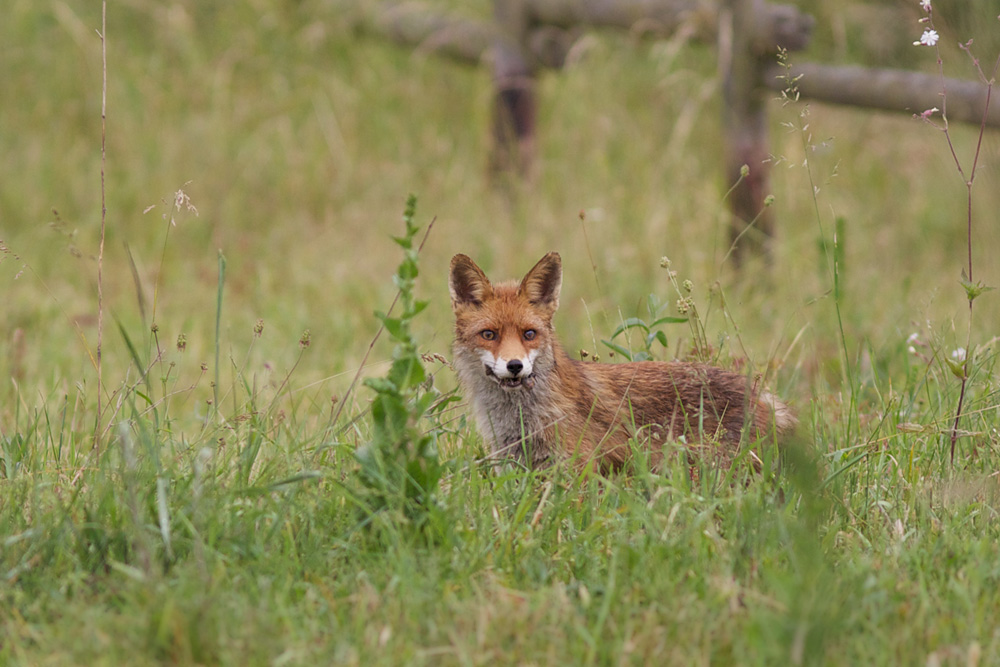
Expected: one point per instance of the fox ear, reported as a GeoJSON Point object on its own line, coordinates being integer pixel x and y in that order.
{"type": "Point", "coordinates": [468, 284]}
{"type": "Point", "coordinates": [541, 285]}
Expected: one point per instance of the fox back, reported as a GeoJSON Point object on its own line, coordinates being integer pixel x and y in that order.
{"type": "Point", "coordinates": [535, 405]}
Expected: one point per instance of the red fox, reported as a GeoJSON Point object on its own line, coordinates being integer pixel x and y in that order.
{"type": "Point", "coordinates": [536, 406]}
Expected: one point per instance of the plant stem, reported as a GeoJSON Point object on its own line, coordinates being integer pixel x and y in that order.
{"type": "Point", "coordinates": [968, 232]}
{"type": "Point", "coordinates": [104, 215]}
{"type": "Point", "coordinates": [218, 328]}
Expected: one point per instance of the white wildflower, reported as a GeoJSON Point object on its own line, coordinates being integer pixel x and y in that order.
{"type": "Point", "coordinates": [958, 354]}
{"type": "Point", "coordinates": [925, 5]}
{"type": "Point", "coordinates": [929, 38]}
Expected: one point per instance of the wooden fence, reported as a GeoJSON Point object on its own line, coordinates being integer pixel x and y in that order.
{"type": "Point", "coordinates": [525, 36]}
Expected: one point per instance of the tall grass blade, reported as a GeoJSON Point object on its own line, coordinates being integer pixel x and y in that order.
{"type": "Point", "coordinates": [218, 329]}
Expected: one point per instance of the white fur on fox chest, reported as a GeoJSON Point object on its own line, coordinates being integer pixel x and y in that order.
{"type": "Point", "coordinates": [508, 419]}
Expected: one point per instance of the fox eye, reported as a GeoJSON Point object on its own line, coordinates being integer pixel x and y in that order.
{"type": "Point", "coordinates": [488, 334]}
{"type": "Point", "coordinates": [530, 334]}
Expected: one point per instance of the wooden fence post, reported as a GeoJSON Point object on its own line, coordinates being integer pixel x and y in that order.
{"type": "Point", "coordinates": [515, 103]}
{"type": "Point", "coordinates": [744, 126]}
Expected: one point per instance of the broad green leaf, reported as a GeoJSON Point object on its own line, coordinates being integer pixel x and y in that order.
{"type": "Point", "coordinates": [394, 325]}
{"type": "Point", "coordinates": [668, 320]}
{"type": "Point", "coordinates": [656, 335]}
{"type": "Point", "coordinates": [630, 323]}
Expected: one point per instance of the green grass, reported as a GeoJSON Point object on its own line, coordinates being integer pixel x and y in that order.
{"type": "Point", "coordinates": [204, 531]}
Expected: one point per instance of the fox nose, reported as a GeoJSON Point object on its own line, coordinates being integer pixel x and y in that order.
{"type": "Point", "coordinates": [514, 367]}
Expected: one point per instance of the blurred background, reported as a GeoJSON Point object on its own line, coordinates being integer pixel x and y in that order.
{"type": "Point", "coordinates": [297, 130]}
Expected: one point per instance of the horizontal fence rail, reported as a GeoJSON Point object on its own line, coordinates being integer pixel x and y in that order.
{"type": "Point", "coordinates": [525, 36]}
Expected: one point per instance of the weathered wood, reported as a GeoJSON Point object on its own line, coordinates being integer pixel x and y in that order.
{"type": "Point", "coordinates": [661, 16]}
{"type": "Point", "coordinates": [552, 25]}
{"type": "Point", "coordinates": [889, 90]}
{"type": "Point", "coordinates": [410, 24]}
{"type": "Point", "coordinates": [775, 24]}
{"type": "Point", "coordinates": [745, 126]}
{"type": "Point", "coordinates": [780, 26]}
{"type": "Point", "coordinates": [515, 103]}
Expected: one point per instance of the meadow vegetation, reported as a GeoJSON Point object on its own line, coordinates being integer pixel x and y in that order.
{"type": "Point", "coordinates": [233, 499]}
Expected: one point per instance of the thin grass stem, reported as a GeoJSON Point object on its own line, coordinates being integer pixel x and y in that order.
{"type": "Point", "coordinates": [104, 216]}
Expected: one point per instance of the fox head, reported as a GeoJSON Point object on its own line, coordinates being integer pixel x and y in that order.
{"type": "Point", "coordinates": [504, 331]}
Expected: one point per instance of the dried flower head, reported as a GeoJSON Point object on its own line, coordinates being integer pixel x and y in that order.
{"type": "Point", "coordinates": [183, 202]}
{"type": "Point", "coordinates": [430, 357]}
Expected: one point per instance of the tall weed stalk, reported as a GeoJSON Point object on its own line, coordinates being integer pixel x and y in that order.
{"type": "Point", "coordinates": [399, 467]}
{"type": "Point", "coordinates": [973, 289]}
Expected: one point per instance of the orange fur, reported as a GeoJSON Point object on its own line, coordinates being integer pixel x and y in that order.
{"type": "Point", "coordinates": [536, 406]}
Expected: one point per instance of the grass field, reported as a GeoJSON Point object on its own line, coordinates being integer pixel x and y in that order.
{"type": "Point", "coordinates": [206, 504]}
